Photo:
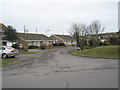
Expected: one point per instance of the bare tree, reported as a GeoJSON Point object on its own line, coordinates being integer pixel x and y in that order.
{"type": "Point", "coordinates": [75, 32]}
{"type": "Point", "coordinates": [94, 29]}
{"type": "Point", "coordinates": [97, 28]}
{"type": "Point", "coordinates": [79, 31]}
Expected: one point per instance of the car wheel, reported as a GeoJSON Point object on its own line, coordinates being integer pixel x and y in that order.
{"type": "Point", "coordinates": [4, 56]}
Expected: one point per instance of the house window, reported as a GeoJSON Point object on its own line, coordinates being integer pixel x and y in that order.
{"type": "Point", "coordinates": [4, 43]}
{"type": "Point", "coordinates": [37, 43]}
{"type": "Point", "coordinates": [71, 42]}
{"type": "Point", "coordinates": [41, 42]}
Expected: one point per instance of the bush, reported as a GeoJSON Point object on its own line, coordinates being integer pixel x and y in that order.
{"type": "Point", "coordinates": [114, 41]}
{"type": "Point", "coordinates": [55, 44]}
{"type": "Point", "coordinates": [16, 46]}
{"type": "Point", "coordinates": [106, 43]}
{"type": "Point", "coordinates": [101, 43]}
{"type": "Point", "coordinates": [94, 42]}
{"type": "Point", "coordinates": [33, 47]}
{"type": "Point", "coordinates": [50, 45]}
{"type": "Point", "coordinates": [43, 46]}
{"type": "Point", "coordinates": [61, 44]}
{"type": "Point", "coordinates": [90, 42]}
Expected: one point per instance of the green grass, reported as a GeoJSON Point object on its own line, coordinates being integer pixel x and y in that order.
{"type": "Point", "coordinates": [28, 52]}
{"type": "Point", "coordinates": [7, 61]}
{"type": "Point", "coordinates": [35, 49]}
{"type": "Point", "coordinates": [54, 47]}
{"type": "Point", "coordinates": [103, 51]}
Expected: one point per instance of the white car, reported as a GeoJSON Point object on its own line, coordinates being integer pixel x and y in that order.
{"type": "Point", "coordinates": [7, 51]}
{"type": "Point", "coordinates": [78, 48]}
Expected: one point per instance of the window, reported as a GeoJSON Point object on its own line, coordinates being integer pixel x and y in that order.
{"type": "Point", "coordinates": [41, 41]}
{"type": "Point", "coordinates": [3, 48]}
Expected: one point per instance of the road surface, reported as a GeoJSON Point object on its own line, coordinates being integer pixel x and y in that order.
{"type": "Point", "coordinates": [59, 69]}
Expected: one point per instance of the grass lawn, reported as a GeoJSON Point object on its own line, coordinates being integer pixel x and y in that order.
{"type": "Point", "coordinates": [55, 47]}
{"type": "Point", "coordinates": [28, 52]}
{"type": "Point", "coordinates": [103, 51]}
{"type": "Point", "coordinates": [7, 61]}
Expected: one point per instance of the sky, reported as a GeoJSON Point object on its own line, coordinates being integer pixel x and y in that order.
{"type": "Point", "coordinates": [57, 16]}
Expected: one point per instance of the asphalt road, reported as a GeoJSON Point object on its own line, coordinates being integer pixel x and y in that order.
{"type": "Point", "coordinates": [59, 69]}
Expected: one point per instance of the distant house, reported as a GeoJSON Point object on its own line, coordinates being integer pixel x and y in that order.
{"type": "Point", "coordinates": [35, 39]}
{"type": "Point", "coordinates": [107, 36]}
{"type": "Point", "coordinates": [3, 41]}
{"type": "Point", "coordinates": [66, 39]}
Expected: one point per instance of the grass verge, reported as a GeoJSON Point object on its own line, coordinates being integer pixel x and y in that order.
{"type": "Point", "coordinates": [103, 51]}
{"type": "Point", "coordinates": [7, 61]}
{"type": "Point", "coordinates": [54, 47]}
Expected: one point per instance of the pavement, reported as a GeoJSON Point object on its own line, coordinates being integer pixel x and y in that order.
{"type": "Point", "coordinates": [57, 68]}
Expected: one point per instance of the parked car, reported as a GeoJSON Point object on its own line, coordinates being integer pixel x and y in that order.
{"type": "Point", "coordinates": [7, 51]}
{"type": "Point", "coordinates": [78, 48]}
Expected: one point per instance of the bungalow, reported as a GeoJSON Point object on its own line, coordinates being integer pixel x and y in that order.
{"type": "Point", "coordinates": [66, 39]}
{"type": "Point", "coordinates": [35, 39]}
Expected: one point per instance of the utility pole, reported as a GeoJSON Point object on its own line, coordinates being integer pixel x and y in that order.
{"type": "Point", "coordinates": [36, 30]}
{"type": "Point", "coordinates": [24, 28]}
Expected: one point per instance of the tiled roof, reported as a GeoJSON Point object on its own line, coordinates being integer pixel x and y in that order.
{"type": "Point", "coordinates": [65, 37]}
{"type": "Point", "coordinates": [29, 36]}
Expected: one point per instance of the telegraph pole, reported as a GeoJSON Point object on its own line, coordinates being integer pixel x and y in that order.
{"type": "Point", "coordinates": [24, 28]}
{"type": "Point", "coordinates": [36, 30]}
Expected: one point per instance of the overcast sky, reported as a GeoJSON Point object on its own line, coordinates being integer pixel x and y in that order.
{"type": "Point", "coordinates": [58, 15]}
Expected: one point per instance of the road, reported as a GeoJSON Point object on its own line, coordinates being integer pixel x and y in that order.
{"type": "Point", "coordinates": [59, 69]}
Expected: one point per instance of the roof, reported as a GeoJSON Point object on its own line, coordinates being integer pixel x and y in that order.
{"type": "Point", "coordinates": [65, 37]}
{"type": "Point", "coordinates": [30, 36]}
{"type": "Point", "coordinates": [2, 27]}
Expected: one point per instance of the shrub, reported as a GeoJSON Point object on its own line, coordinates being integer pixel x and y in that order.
{"type": "Point", "coordinates": [94, 42]}
{"type": "Point", "coordinates": [55, 44]}
{"type": "Point", "coordinates": [101, 43]}
{"type": "Point", "coordinates": [16, 46]}
{"type": "Point", "coordinates": [90, 42]}
{"type": "Point", "coordinates": [50, 45]}
{"type": "Point", "coordinates": [43, 46]}
{"type": "Point", "coordinates": [33, 47]}
{"type": "Point", "coordinates": [114, 41]}
{"type": "Point", "coordinates": [61, 44]}
{"type": "Point", "coordinates": [106, 43]}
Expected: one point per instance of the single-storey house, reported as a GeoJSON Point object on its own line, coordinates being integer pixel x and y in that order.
{"type": "Point", "coordinates": [35, 39]}
{"type": "Point", "coordinates": [66, 39]}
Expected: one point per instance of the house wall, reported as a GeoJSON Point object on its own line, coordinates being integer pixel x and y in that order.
{"type": "Point", "coordinates": [70, 42]}
{"type": "Point", "coordinates": [39, 42]}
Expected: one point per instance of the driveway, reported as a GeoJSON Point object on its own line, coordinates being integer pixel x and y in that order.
{"type": "Point", "coordinates": [59, 69]}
